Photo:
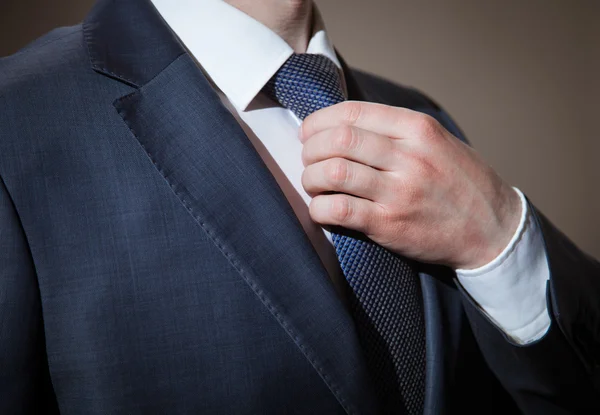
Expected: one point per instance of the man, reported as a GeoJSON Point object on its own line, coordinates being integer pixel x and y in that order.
{"type": "Point", "coordinates": [176, 240]}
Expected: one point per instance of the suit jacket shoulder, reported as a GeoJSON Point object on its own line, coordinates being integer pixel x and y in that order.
{"type": "Point", "coordinates": [34, 79]}
{"type": "Point", "coordinates": [48, 96]}
{"type": "Point", "coordinates": [48, 55]}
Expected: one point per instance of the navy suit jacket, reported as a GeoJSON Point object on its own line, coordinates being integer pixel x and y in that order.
{"type": "Point", "coordinates": [149, 263]}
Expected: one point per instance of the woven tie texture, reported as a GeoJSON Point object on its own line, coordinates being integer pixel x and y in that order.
{"type": "Point", "coordinates": [385, 293]}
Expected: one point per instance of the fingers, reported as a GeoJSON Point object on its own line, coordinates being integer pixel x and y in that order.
{"type": "Point", "coordinates": [343, 176]}
{"type": "Point", "coordinates": [382, 119]}
{"type": "Point", "coordinates": [346, 211]}
{"type": "Point", "coordinates": [351, 143]}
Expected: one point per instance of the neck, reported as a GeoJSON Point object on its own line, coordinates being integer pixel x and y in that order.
{"type": "Point", "coordinates": [290, 19]}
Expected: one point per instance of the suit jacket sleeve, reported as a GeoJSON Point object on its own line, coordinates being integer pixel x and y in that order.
{"type": "Point", "coordinates": [559, 373]}
{"type": "Point", "coordinates": [25, 386]}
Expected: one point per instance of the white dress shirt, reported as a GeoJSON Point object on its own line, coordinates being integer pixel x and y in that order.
{"type": "Point", "coordinates": [239, 55]}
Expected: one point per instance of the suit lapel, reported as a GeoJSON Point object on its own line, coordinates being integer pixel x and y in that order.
{"type": "Point", "coordinates": [211, 166]}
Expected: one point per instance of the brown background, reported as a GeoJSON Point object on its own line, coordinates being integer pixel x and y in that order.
{"type": "Point", "coordinates": [520, 77]}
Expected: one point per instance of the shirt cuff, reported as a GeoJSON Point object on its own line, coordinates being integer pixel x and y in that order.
{"type": "Point", "coordinates": [511, 289]}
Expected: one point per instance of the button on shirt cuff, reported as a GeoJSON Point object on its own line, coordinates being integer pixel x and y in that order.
{"type": "Point", "coordinates": [511, 289]}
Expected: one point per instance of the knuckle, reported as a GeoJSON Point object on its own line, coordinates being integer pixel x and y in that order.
{"type": "Point", "coordinates": [426, 126]}
{"type": "Point", "coordinates": [338, 171]}
{"type": "Point", "coordinates": [422, 167]}
{"type": "Point", "coordinates": [341, 209]}
{"type": "Point", "coordinates": [413, 193]}
{"type": "Point", "coordinates": [351, 111]}
{"type": "Point", "coordinates": [345, 138]}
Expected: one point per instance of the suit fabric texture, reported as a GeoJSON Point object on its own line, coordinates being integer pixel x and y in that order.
{"type": "Point", "coordinates": [150, 264]}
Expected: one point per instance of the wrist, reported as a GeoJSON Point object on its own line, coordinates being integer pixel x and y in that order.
{"type": "Point", "coordinates": [501, 230]}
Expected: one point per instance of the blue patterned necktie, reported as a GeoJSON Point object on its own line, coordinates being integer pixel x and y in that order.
{"type": "Point", "coordinates": [385, 294]}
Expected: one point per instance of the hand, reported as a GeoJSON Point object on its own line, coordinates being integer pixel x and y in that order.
{"type": "Point", "coordinates": [404, 181]}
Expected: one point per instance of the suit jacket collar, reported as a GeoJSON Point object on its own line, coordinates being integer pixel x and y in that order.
{"type": "Point", "coordinates": [129, 41]}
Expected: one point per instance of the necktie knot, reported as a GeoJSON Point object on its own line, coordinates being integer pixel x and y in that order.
{"type": "Point", "coordinates": [305, 83]}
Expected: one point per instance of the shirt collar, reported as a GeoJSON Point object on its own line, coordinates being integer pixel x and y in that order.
{"type": "Point", "coordinates": [237, 52]}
